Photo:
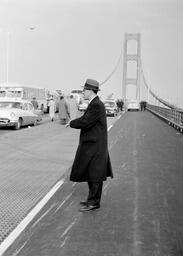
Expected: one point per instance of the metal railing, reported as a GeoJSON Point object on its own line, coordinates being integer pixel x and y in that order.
{"type": "Point", "coordinates": [174, 117]}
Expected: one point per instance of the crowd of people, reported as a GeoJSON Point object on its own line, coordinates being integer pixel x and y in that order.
{"type": "Point", "coordinates": [67, 108]}
{"type": "Point", "coordinates": [120, 104]}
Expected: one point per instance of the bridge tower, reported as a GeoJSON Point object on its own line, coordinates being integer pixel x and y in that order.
{"type": "Point", "coordinates": [131, 57]}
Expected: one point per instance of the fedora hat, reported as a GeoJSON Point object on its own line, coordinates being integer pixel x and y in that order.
{"type": "Point", "coordinates": [91, 84]}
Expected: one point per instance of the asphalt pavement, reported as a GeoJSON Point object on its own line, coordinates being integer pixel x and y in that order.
{"type": "Point", "coordinates": [141, 212]}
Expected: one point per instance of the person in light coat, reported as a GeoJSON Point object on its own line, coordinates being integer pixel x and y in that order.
{"type": "Point", "coordinates": [92, 162]}
{"type": "Point", "coordinates": [52, 108]}
{"type": "Point", "coordinates": [73, 107]}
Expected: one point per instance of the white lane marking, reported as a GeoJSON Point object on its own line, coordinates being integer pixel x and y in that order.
{"type": "Point", "coordinates": [123, 165]}
{"type": "Point", "coordinates": [109, 127]}
{"type": "Point", "coordinates": [42, 216]}
{"type": "Point", "coordinates": [106, 187]}
{"type": "Point", "coordinates": [63, 202]}
{"type": "Point", "coordinates": [68, 228]}
{"type": "Point", "coordinates": [71, 203]}
{"type": "Point", "coordinates": [113, 124]}
{"type": "Point", "coordinates": [74, 184]}
{"type": "Point", "coordinates": [17, 251]}
{"type": "Point", "coordinates": [66, 238]}
{"type": "Point", "coordinates": [23, 224]}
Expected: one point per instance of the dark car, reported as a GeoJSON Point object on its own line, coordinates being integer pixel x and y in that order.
{"type": "Point", "coordinates": [111, 107]}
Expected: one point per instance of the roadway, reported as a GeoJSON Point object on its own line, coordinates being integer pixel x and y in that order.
{"type": "Point", "coordinates": [142, 208]}
{"type": "Point", "coordinates": [32, 161]}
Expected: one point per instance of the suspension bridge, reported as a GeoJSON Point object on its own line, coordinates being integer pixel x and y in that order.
{"type": "Point", "coordinates": [169, 111]}
{"type": "Point", "coordinates": [141, 212]}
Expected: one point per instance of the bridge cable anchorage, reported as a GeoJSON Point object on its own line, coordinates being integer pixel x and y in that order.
{"type": "Point", "coordinates": [114, 70]}
{"type": "Point", "coordinates": [164, 102]}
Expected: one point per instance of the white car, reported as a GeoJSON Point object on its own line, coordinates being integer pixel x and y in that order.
{"type": "Point", "coordinates": [133, 105]}
{"type": "Point", "coordinates": [83, 105]}
{"type": "Point", "coordinates": [17, 113]}
{"type": "Point", "coordinates": [77, 94]}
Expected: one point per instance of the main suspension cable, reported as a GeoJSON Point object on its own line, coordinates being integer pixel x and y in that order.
{"type": "Point", "coordinates": [164, 102]}
{"type": "Point", "coordinates": [114, 70]}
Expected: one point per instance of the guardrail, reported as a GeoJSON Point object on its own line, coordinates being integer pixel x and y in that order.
{"type": "Point", "coordinates": [174, 117]}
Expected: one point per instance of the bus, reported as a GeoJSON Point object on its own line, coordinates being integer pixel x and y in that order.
{"type": "Point", "coordinates": [18, 91]}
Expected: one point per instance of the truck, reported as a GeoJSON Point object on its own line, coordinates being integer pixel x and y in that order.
{"type": "Point", "coordinates": [18, 91]}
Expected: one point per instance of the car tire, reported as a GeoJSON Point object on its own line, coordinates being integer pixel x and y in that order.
{"type": "Point", "coordinates": [35, 122]}
{"type": "Point", "coordinates": [18, 124]}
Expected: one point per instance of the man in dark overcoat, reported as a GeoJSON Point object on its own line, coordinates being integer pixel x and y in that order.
{"type": "Point", "coordinates": [92, 162]}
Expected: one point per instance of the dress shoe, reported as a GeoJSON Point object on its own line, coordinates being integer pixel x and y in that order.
{"type": "Point", "coordinates": [89, 208]}
{"type": "Point", "coordinates": [83, 202]}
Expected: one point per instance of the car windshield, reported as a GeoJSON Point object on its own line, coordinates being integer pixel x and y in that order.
{"type": "Point", "coordinates": [109, 103]}
{"type": "Point", "coordinates": [9, 104]}
{"type": "Point", "coordinates": [85, 101]}
{"type": "Point", "coordinates": [132, 101]}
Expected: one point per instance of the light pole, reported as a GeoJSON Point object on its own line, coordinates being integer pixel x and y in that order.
{"type": "Point", "coordinates": [8, 35]}
{"type": "Point", "coordinates": [7, 57]}
{"type": "Point", "coordinates": [5, 64]}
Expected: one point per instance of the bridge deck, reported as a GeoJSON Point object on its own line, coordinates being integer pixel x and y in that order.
{"type": "Point", "coordinates": [142, 207]}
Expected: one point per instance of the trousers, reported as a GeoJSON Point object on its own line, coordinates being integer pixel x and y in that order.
{"type": "Point", "coordinates": [95, 192]}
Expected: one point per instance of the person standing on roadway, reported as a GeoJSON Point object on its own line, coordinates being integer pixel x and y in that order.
{"type": "Point", "coordinates": [92, 162]}
{"type": "Point", "coordinates": [73, 106]}
{"type": "Point", "coordinates": [34, 103]}
{"type": "Point", "coordinates": [63, 109]}
{"type": "Point", "coordinates": [52, 108]}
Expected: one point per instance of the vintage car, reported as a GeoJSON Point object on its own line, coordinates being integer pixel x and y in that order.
{"type": "Point", "coordinates": [77, 95]}
{"type": "Point", "coordinates": [110, 107]}
{"type": "Point", "coordinates": [18, 113]}
{"type": "Point", "coordinates": [133, 105]}
{"type": "Point", "coordinates": [83, 105]}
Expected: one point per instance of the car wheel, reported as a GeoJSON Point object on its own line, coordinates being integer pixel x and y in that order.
{"type": "Point", "coordinates": [35, 122]}
{"type": "Point", "coordinates": [18, 124]}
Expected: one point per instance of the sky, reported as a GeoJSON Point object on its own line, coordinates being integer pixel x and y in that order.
{"type": "Point", "coordinates": [58, 44]}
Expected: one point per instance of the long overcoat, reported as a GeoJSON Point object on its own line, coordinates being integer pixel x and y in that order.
{"type": "Point", "coordinates": [63, 109]}
{"type": "Point", "coordinates": [92, 161]}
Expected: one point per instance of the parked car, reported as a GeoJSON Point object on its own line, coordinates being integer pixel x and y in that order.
{"type": "Point", "coordinates": [111, 107]}
{"type": "Point", "coordinates": [133, 105]}
{"type": "Point", "coordinates": [77, 94]}
{"type": "Point", "coordinates": [83, 105]}
{"type": "Point", "coordinates": [18, 113]}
